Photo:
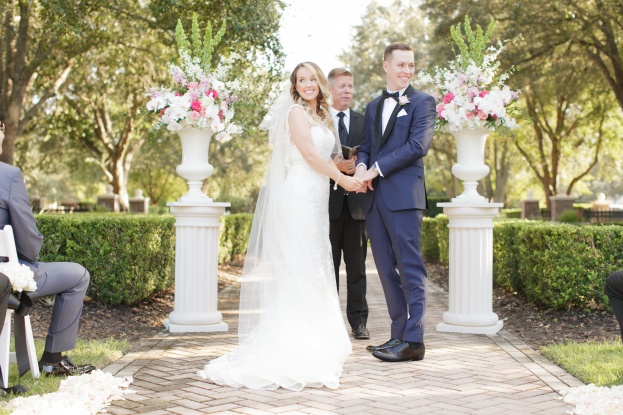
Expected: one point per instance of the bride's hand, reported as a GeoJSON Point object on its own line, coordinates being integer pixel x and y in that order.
{"type": "Point", "coordinates": [351, 184]}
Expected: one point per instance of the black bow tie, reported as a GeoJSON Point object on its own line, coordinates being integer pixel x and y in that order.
{"type": "Point", "coordinates": [387, 94]}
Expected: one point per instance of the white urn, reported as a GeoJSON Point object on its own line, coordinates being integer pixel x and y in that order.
{"type": "Point", "coordinates": [470, 166]}
{"type": "Point", "coordinates": [195, 167]}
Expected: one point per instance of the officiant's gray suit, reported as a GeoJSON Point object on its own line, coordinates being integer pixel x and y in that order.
{"type": "Point", "coordinates": [69, 281]}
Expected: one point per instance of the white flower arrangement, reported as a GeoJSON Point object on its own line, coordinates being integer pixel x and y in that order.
{"type": "Point", "coordinates": [468, 93]}
{"type": "Point", "coordinates": [21, 276]}
{"type": "Point", "coordinates": [199, 99]}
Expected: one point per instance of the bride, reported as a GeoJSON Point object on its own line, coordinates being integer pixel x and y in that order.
{"type": "Point", "coordinates": [291, 333]}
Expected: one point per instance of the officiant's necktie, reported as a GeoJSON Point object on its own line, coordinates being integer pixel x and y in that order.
{"type": "Point", "coordinates": [341, 128]}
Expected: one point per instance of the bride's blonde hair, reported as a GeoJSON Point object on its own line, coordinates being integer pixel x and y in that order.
{"type": "Point", "coordinates": [321, 112]}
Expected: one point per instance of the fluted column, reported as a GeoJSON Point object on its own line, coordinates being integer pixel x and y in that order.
{"type": "Point", "coordinates": [196, 267]}
{"type": "Point", "coordinates": [471, 269]}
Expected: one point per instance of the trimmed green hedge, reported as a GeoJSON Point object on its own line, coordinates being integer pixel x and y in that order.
{"type": "Point", "coordinates": [234, 236]}
{"type": "Point", "coordinates": [129, 257]}
{"type": "Point", "coordinates": [434, 210]}
{"type": "Point", "coordinates": [435, 238]}
{"type": "Point", "coordinates": [556, 265]}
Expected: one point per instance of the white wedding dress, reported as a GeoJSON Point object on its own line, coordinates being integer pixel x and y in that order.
{"type": "Point", "coordinates": [292, 334]}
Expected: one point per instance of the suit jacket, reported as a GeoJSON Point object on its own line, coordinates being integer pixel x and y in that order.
{"type": "Point", "coordinates": [356, 201]}
{"type": "Point", "coordinates": [399, 152]}
{"type": "Point", "coordinates": [15, 210]}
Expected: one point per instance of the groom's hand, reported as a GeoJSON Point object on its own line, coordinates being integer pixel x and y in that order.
{"type": "Point", "coordinates": [360, 171]}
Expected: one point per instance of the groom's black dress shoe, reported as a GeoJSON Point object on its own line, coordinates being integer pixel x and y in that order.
{"type": "Point", "coordinates": [388, 343]}
{"type": "Point", "coordinates": [402, 352]}
{"type": "Point", "coordinates": [360, 332]}
{"type": "Point", "coordinates": [64, 368]}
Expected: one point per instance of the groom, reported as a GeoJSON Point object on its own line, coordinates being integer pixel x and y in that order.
{"type": "Point", "coordinates": [397, 134]}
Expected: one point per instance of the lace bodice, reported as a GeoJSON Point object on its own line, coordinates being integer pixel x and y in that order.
{"type": "Point", "coordinates": [322, 137]}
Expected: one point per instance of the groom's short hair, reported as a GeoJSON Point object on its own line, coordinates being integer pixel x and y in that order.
{"type": "Point", "coordinates": [395, 46]}
{"type": "Point", "coordinates": [336, 73]}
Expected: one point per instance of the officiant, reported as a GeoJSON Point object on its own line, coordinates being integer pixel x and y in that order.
{"type": "Point", "coordinates": [346, 210]}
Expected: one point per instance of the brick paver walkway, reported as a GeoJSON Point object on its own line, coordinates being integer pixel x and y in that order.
{"type": "Point", "coordinates": [461, 374]}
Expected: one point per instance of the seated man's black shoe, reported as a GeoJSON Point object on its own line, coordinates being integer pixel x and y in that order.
{"type": "Point", "coordinates": [15, 390]}
{"type": "Point", "coordinates": [402, 352]}
{"type": "Point", "coordinates": [64, 368]}
{"type": "Point", "coordinates": [360, 332]}
{"type": "Point", "coordinates": [389, 343]}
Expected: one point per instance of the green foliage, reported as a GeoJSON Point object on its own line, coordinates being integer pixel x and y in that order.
{"type": "Point", "coordinates": [511, 213]}
{"type": "Point", "coordinates": [430, 241]}
{"type": "Point", "coordinates": [202, 50]}
{"type": "Point", "coordinates": [505, 257]}
{"type": "Point", "coordinates": [476, 45]}
{"type": "Point", "coordinates": [443, 237]}
{"type": "Point", "coordinates": [129, 257]}
{"type": "Point", "coordinates": [436, 239]}
{"type": "Point", "coordinates": [234, 236]}
{"type": "Point", "coordinates": [557, 265]}
{"type": "Point", "coordinates": [569, 216]}
{"type": "Point", "coordinates": [434, 210]}
{"type": "Point", "coordinates": [597, 363]}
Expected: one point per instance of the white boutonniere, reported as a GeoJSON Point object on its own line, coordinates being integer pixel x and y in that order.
{"type": "Point", "coordinates": [403, 100]}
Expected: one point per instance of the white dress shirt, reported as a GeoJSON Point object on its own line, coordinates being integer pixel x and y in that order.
{"type": "Point", "coordinates": [336, 119]}
{"type": "Point", "coordinates": [388, 108]}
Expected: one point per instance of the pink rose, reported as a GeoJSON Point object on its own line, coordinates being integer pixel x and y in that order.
{"type": "Point", "coordinates": [212, 93]}
{"type": "Point", "coordinates": [448, 98]}
{"type": "Point", "coordinates": [483, 94]}
{"type": "Point", "coordinates": [440, 107]}
{"type": "Point", "coordinates": [482, 115]}
{"type": "Point", "coordinates": [193, 85]}
{"type": "Point", "coordinates": [194, 115]}
{"type": "Point", "coordinates": [195, 105]}
{"type": "Point", "coordinates": [178, 94]}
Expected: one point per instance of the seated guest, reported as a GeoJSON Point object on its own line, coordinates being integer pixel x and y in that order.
{"type": "Point", "coordinates": [614, 291]}
{"type": "Point", "coordinates": [5, 292]}
{"type": "Point", "coordinates": [67, 280]}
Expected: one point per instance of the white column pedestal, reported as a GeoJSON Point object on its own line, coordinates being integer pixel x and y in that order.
{"type": "Point", "coordinates": [196, 267]}
{"type": "Point", "coordinates": [471, 269]}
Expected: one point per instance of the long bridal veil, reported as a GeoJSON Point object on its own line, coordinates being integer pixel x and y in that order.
{"type": "Point", "coordinates": [259, 274]}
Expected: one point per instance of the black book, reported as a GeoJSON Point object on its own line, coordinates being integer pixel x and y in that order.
{"type": "Point", "coordinates": [349, 152]}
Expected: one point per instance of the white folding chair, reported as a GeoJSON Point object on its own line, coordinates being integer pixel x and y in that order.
{"type": "Point", "coordinates": [7, 249]}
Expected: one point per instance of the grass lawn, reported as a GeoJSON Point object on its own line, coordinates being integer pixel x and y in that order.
{"type": "Point", "coordinates": [597, 363]}
{"type": "Point", "coordinates": [96, 352]}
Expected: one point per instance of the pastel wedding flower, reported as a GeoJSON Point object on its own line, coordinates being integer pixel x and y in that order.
{"type": "Point", "coordinates": [403, 100]}
{"type": "Point", "coordinates": [199, 98]}
{"type": "Point", "coordinates": [469, 93]}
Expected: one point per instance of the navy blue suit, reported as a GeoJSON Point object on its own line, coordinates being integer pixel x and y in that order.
{"type": "Point", "coordinates": [394, 208]}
